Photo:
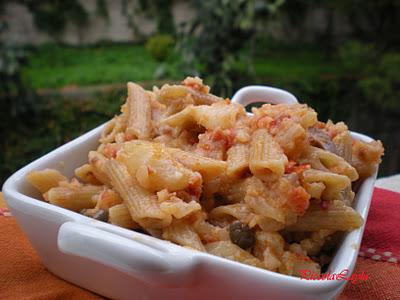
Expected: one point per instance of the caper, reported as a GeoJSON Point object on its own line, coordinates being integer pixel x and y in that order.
{"type": "Point", "coordinates": [241, 235]}
{"type": "Point", "coordinates": [219, 199]}
{"type": "Point", "coordinates": [101, 215]}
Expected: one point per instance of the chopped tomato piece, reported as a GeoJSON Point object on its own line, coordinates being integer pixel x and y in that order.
{"type": "Point", "coordinates": [299, 200]}
{"type": "Point", "coordinates": [293, 167]}
{"type": "Point", "coordinates": [110, 150]}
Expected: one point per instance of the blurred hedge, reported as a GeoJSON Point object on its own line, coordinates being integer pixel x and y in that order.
{"type": "Point", "coordinates": [57, 122]}
{"type": "Point", "coordinates": [364, 92]}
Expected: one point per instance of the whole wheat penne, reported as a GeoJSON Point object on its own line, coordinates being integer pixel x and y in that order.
{"type": "Point", "coordinates": [97, 160]}
{"type": "Point", "coordinates": [178, 208]}
{"type": "Point", "coordinates": [209, 168]}
{"type": "Point", "coordinates": [182, 119]}
{"type": "Point", "coordinates": [315, 189]}
{"type": "Point", "coordinates": [176, 92]}
{"type": "Point", "coordinates": [139, 112]}
{"type": "Point", "coordinates": [141, 203]}
{"type": "Point", "coordinates": [220, 115]}
{"type": "Point", "coordinates": [184, 235]}
{"type": "Point", "coordinates": [327, 161]}
{"type": "Point", "coordinates": [46, 179]}
{"type": "Point", "coordinates": [337, 217]}
{"type": "Point", "coordinates": [107, 199]}
{"type": "Point", "coordinates": [119, 215]}
{"type": "Point", "coordinates": [113, 128]}
{"type": "Point", "coordinates": [365, 157]}
{"type": "Point", "coordinates": [227, 249]}
{"type": "Point", "coordinates": [334, 183]}
{"type": "Point", "coordinates": [343, 143]}
{"type": "Point", "coordinates": [266, 156]}
{"type": "Point", "coordinates": [238, 160]}
{"type": "Point", "coordinates": [74, 198]}
{"type": "Point", "coordinates": [85, 173]}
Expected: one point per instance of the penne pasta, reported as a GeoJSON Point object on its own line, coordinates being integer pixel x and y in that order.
{"type": "Point", "coordinates": [334, 183]}
{"type": "Point", "coordinates": [209, 168]}
{"type": "Point", "coordinates": [266, 156]}
{"type": "Point", "coordinates": [119, 215]}
{"type": "Point", "coordinates": [220, 115]}
{"type": "Point", "coordinates": [327, 161]}
{"type": "Point", "coordinates": [74, 198]}
{"type": "Point", "coordinates": [97, 161]}
{"type": "Point", "coordinates": [184, 235]}
{"type": "Point", "coordinates": [178, 208]}
{"type": "Point", "coordinates": [141, 204]}
{"type": "Point", "coordinates": [337, 217]}
{"type": "Point", "coordinates": [315, 189]}
{"type": "Point", "coordinates": [45, 179]}
{"type": "Point", "coordinates": [113, 128]}
{"type": "Point", "coordinates": [366, 156]}
{"type": "Point", "coordinates": [139, 112]}
{"type": "Point", "coordinates": [85, 173]}
{"type": "Point", "coordinates": [171, 93]}
{"type": "Point", "coordinates": [227, 249]}
{"type": "Point", "coordinates": [238, 161]}
{"type": "Point", "coordinates": [343, 143]}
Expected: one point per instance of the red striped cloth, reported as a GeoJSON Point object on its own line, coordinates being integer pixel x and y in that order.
{"type": "Point", "coordinates": [381, 239]}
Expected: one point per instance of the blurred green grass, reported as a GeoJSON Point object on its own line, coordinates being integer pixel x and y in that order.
{"type": "Point", "coordinates": [52, 66]}
{"type": "Point", "coordinates": [55, 66]}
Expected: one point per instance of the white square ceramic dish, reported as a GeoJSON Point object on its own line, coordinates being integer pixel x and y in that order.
{"type": "Point", "coordinates": [123, 264]}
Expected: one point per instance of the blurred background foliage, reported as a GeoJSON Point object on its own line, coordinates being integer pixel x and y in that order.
{"type": "Point", "coordinates": [352, 76]}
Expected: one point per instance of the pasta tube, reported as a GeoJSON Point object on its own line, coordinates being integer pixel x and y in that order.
{"type": "Point", "coordinates": [119, 215]}
{"type": "Point", "coordinates": [97, 161]}
{"type": "Point", "coordinates": [238, 160]}
{"type": "Point", "coordinates": [266, 156]}
{"type": "Point", "coordinates": [209, 168]}
{"type": "Point", "coordinates": [334, 183]}
{"type": "Point", "coordinates": [139, 112]}
{"type": "Point", "coordinates": [85, 173]}
{"type": "Point", "coordinates": [229, 250]}
{"type": "Point", "coordinates": [141, 203]}
{"type": "Point", "coordinates": [74, 198]}
{"type": "Point", "coordinates": [220, 115]}
{"type": "Point", "coordinates": [337, 217]}
{"type": "Point", "coordinates": [184, 235]}
{"type": "Point", "coordinates": [45, 179]}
